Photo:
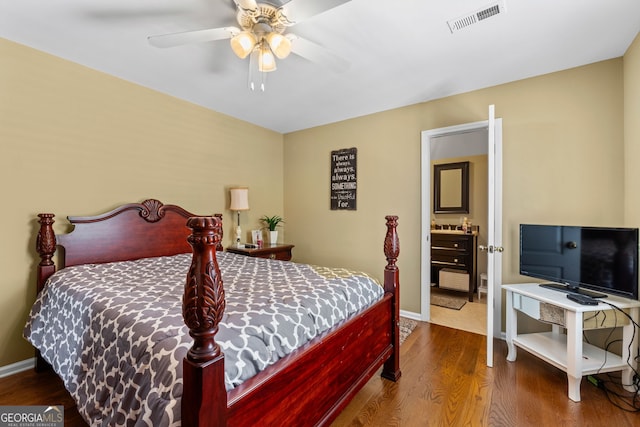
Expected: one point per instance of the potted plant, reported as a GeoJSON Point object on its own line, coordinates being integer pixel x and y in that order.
{"type": "Point", "coordinates": [272, 222]}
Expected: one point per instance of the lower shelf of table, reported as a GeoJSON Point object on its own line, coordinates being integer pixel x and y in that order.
{"type": "Point", "coordinates": [552, 348]}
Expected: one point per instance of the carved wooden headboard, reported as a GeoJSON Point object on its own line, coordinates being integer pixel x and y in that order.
{"type": "Point", "coordinates": [131, 231]}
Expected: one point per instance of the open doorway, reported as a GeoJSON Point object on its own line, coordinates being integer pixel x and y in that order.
{"type": "Point", "coordinates": [453, 271]}
{"type": "Point", "coordinates": [494, 247]}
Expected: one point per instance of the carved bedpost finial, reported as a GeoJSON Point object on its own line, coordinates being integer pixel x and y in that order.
{"type": "Point", "coordinates": [220, 232]}
{"type": "Point", "coordinates": [46, 247]}
{"type": "Point", "coordinates": [391, 242]}
{"type": "Point", "coordinates": [46, 240]}
{"type": "Point", "coordinates": [203, 302]}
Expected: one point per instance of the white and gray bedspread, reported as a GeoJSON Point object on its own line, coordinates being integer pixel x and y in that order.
{"type": "Point", "coordinates": [115, 334]}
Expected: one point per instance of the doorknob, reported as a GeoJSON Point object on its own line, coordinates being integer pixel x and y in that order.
{"type": "Point", "coordinates": [491, 249]}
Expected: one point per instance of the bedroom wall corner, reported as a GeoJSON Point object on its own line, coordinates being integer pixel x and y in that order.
{"type": "Point", "coordinates": [631, 70]}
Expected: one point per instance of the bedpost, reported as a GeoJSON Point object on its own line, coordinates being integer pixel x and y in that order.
{"type": "Point", "coordinates": [391, 368]}
{"type": "Point", "coordinates": [204, 398]}
{"type": "Point", "coordinates": [46, 247]}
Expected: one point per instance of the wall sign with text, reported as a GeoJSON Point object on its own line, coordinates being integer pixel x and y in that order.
{"type": "Point", "coordinates": [344, 179]}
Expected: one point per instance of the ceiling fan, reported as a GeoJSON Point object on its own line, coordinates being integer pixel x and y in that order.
{"type": "Point", "coordinates": [262, 36]}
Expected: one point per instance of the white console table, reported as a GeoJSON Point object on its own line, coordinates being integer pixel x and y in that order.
{"type": "Point", "coordinates": [567, 351]}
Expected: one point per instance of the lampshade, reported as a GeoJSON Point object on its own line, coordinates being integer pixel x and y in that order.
{"type": "Point", "coordinates": [266, 60]}
{"type": "Point", "coordinates": [243, 43]}
{"type": "Point", "coordinates": [279, 44]}
{"type": "Point", "coordinates": [239, 199]}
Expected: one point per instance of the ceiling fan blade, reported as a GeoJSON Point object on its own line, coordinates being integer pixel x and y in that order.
{"type": "Point", "coordinates": [246, 4]}
{"type": "Point", "coordinates": [198, 36]}
{"type": "Point", "coordinates": [299, 10]}
{"type": "Point", "coordinates": [316, 53]}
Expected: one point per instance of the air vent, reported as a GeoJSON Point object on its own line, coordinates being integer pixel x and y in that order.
{"type": "Point", "coordinates": [476, 16]}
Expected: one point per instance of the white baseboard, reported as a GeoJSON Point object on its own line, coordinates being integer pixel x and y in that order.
{"type": "Point", "coordinates": [410, 315]}
{"type": "Point", "coordinates": [14, 368]}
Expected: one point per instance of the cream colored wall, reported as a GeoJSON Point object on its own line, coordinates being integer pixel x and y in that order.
{"type": "Point", "coordinates": [387, 183]}
{"type": "Point", "coordinates": [631, 64]}
{"type": "Point", "coordinates": [75, 141]}
{"type": "Point", "coordinates": [563, 163]}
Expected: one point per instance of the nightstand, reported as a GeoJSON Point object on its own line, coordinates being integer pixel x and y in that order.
{"type": "Point", "coordinates": [278, 251]}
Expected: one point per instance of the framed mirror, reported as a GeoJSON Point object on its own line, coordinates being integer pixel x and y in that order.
{"type": "Point", "coordinates": [451, 188]}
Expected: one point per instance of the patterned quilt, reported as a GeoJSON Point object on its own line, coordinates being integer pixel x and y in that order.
{"type": "Point", "coordinates": [115, 335]}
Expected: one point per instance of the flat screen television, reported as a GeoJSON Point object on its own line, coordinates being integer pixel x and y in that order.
{"type": "Point", "coordinates": [581, 259]}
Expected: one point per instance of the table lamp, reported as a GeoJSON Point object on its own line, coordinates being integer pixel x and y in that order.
{"type": "Point", "coordinates": [239, 202]}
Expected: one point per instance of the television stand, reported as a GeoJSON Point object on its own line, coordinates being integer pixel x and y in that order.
{"type": "Point", "coordinates": [569, 290]}
{"type": "Point", "coordinates": [566, 350]}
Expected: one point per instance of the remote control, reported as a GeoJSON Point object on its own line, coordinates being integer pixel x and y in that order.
{"type": "Point", "coordinates": [582, 299]}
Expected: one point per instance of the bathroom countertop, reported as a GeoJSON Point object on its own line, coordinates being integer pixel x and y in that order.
{"type": "Point", "coordinates": [450, 231]}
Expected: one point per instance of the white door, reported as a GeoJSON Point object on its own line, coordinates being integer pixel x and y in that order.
{"type": "Point", "coordinates": [494, 236]}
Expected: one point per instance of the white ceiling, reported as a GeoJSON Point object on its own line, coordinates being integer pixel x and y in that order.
{"type": "Point", "coordinates": [401, 51]}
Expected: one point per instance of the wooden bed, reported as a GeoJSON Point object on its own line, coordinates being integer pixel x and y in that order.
{"type": "Point", "coordinates": [307, 387]}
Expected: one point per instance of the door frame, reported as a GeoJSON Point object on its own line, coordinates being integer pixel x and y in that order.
{"type": "Point", "coordinates": [425, 241]}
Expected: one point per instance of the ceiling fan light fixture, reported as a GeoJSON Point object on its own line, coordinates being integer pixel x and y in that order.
{"type": "Point", "coordinates": [266, 60]}
{"type": "Point", "coordinates": [279, 44]}
{"type": "Point", "coordinates": [261, 37]}
{"type": "Point", "coordinates": [243, 43]}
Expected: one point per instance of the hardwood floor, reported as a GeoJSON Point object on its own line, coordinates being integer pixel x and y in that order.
{"type": "Point", "coordinates": [30, 388]}
{"type": "Point", "coordinates": [445, 382]}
